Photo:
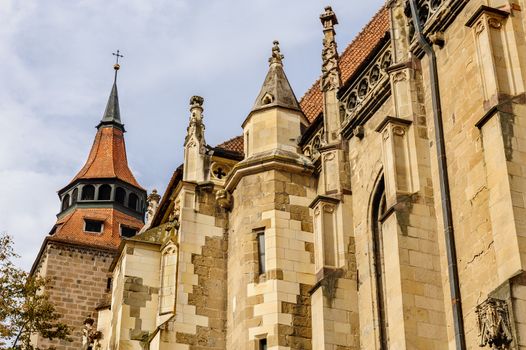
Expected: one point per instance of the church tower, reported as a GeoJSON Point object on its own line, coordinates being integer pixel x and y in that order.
{"type": "Point", "coordinates": [270, 242]}
{"type": "Point", "coordinates": [100, 205]}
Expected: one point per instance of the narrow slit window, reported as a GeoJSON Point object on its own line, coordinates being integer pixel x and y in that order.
{"type": "Point", "coordinates": [261, 251]}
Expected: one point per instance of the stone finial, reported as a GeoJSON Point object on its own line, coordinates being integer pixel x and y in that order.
{"type": "Point", "coordinates": [328, 18]}
{"type": "Point", "coordinates": [276, 57]}
{"type": "Point", "coordinates": [494, 323]}
{"type": "Point", "coordinates": [196, 102]}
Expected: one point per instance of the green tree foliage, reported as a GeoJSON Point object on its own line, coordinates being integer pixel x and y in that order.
{"type": "Point", "coordinates": [25, 309]}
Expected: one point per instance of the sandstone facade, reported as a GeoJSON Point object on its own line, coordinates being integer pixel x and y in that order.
{"type": "Point", "coordinates": [339, 224]}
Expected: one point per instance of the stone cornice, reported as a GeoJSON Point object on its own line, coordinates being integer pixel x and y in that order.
{"type": "Point", "coordinates": [281, 160]}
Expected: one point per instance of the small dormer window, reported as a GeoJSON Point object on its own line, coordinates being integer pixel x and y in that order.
{"type": "Point", "coordinates": [93, 226]}
{"type": "Point", "coordinates": [128, 231]}
{"type": "Point", "coordinates": [267, 99]}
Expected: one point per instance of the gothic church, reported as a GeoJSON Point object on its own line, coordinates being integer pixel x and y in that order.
{"type": "Point", "coordinates": [383, 210]}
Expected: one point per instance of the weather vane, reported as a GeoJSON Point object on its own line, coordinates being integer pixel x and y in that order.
{"type": "Point", "coordinates": [116, 66]}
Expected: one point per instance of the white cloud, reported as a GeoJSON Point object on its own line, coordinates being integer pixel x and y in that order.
{"type": "Point", "coordinates": [56, 75]}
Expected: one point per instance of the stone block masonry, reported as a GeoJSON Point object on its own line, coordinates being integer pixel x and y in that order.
{"type": "Point", "coordinates": [79, 281]}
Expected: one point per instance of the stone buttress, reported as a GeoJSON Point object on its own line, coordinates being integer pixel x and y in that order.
{"type": "Point", "coordinates": [334, 297]}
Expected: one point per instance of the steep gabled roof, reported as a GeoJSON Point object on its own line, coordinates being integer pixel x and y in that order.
{"type": "Point", "coordinates": [350, 60]}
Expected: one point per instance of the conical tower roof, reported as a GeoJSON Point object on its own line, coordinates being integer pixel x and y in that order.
{"type": "Point", "coordinates": [276, 90]}
{"type": "Point", "coordinates": [107, 158]}
{"type": "Point", "coordinates": [112, 114]}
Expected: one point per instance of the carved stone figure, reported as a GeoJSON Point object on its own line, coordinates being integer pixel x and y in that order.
{"type": "Point", "coordinates": [331, 78]}
{"type": "Point", "coordinates": [223, 199]}
{"type": "Point", "coordinates": [494, 324]}
{"type": "Point", "coordinates": [153, 202]}
{"type": "Point", "coordinates": [90, 336]}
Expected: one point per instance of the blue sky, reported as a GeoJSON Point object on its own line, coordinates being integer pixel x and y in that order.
{"type": "Point", "coordinates": [56, 73]}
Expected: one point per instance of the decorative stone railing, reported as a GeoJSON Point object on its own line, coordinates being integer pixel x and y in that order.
{"type": "Point", "coordinates": [434, 15]}
{"type": "Point", "coordinates": [311, 147]}
{"type": "Point", "coordinates": [367, 89]}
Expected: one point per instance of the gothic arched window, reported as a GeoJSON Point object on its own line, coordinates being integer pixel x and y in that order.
{"type": "Point", "coordinates": [105, 192]}
{"type": "Point", "coordinates": [133, 200]}
{"type": "Point", "coordinates": [378, 211]}
{"type": "Point", "coordinates": [88, 193]}
{"type": "Point", "coordinates": [65, 202]}
{"type": "Point", "coordinates": [120, 195]}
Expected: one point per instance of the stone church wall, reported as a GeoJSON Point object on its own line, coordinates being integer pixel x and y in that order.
{"type": "Point", "coordinates": [79, 278]}
{"type": "Point", "coordinates": [275, 305]}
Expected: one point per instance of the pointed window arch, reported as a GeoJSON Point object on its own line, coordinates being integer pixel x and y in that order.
{"type": "Point", "coordinates": [378, 212]}
{"type": "Point", "coordinates": [104, 192]}
{"type": "Point", "coordinates": [88, 193]}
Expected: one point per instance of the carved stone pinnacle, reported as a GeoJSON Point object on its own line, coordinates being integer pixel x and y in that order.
{"type": "Point", "coordinates": [328, 18]}
{"type": "Point", "coordinates": [276, 57]}
{"type": "Point", "coordinates": [196, 101]}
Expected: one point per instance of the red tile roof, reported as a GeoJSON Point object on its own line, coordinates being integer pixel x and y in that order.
{"type": "Point", "coordinates": [234, 144]}
{"type": "Point", "coordinates": [107, 158]}
{"type": "Point", "coordinates": [70, 228]}
{"type": "Point", "coordinates": [351, 58]}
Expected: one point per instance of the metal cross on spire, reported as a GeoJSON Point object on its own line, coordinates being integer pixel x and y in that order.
{"type": "Point", "coordinates": [116, 66]}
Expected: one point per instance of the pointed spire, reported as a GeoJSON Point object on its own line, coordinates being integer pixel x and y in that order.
{"type": "Point", "coordinates": [276, 90]}
{"type": "Point", "coordinates": [196, 127]}
{"type": "Point", "coordinates": [112, 114]}
{"type": "Point", "coordinates": [331, 76]}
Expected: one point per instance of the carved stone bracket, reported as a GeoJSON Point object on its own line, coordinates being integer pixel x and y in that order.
{"type": "Point", "coordinates": [172, 226]}
{"type": "Point", "coordinates": [224, 199]}
{"type": "Point", "coordinates": [494, 324]}
{"type": "Point", "coordinates": [434, 15]}
{"type": "Point", "coordinates": [328, 280]}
